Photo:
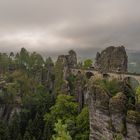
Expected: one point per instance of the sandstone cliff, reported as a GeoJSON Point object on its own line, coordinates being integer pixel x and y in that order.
{"type": "Point", "coordinates": [62, 70]}
{"type": "Point", "coordinates": [110, 117]}
{"type": "Point", "coordinates": [112, 59]}
{"type": "Point", "coordinates": [69, 60]}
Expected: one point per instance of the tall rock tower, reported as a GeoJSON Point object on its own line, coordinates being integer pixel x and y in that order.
{"type": "Point", "coordinates": [112, 59]}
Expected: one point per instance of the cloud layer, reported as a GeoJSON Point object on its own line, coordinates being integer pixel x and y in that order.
{"type": "Point", "coordinates": [57, 25]}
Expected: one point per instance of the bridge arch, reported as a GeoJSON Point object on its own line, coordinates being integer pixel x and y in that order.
{"type": "Point", "coordinates": [106, 75]}
{"type": "Point", "coordinates": [110, 75]}
{"type": "Point", "coordinates": [89, 74]}
{"type": "Point", "coordinates": [132, 80]}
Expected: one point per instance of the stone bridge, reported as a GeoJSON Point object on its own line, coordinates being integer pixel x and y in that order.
{"type": "Point", "coordinates": [111, 75]}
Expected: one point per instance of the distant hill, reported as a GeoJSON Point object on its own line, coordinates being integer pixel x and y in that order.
{"type": "Point", "coordinates": [134, 61]}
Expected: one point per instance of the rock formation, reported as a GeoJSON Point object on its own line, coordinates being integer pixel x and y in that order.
{"type": "Point", "coordinates": [112, 59]}
{"type": "Point", "coordinates": [80, 85]}
{"type": "Point", "coordinates": [72, 59]}
{"type": "Point", "coordinates": [63, 65]}
{"type": "Point", "coordinates": [110, 117]}
{"type": "Point", "coordinates": [67, 62]}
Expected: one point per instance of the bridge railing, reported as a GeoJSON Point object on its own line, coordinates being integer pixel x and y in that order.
{"type": "Point", "coordinates": [91, 69]}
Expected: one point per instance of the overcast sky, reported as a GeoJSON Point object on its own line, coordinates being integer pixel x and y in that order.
{"type": "Point", "coordinates": [59, 25]}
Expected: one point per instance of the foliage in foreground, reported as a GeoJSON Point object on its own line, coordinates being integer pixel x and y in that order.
{"type": "Point", "coordinates": [33, 86]}
{"type": "Point", "coordinates": [61, 132]}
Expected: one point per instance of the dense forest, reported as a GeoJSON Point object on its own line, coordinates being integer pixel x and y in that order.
{"type": "Point", "coordinates": [42, 100]}
{"type": "Point", "coordinates": [33, 106]}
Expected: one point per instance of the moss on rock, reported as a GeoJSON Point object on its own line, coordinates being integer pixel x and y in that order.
{"type": "Point", "coordinates": [133, 116]}
{"type": "Point", "coordinates": [118, 103]}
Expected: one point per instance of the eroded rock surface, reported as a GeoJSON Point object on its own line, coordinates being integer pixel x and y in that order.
{"type": "Point", "coordinates": [109, 115]}
{"type": "Point", "coordinates": [112, 59]}
{"type": "Point", "coordinates": [64, 64]}
{"type": "Point", "coordinates": [69, 60]}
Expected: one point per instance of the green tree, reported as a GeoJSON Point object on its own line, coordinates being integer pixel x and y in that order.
{"type": "Point", "coordinates": [24, 118]}
{"type": "Point", "coordinates": [29, 133]}
{"type": "Point", "coordinates": [138, 94]}
{"type": "Point", "coordinates": [17, 61]}
{"type": "Point", "coordinates": [27, 136]}
{"type": "Point", "coordinates": [36, 65]}
{"type": "Point", "coordinates": [82, 124]}
{"type": "Point", "coordinates": [49, 62]}
{"type": "Point", "coordinates": [4, 133]}
{"type": "Point", "coordinates": [112, 86]}
{"type": "Point", "coordinates": [72, 83]}
{"type": "Point", "coordinates": [118, 137]}
{"type": "Point", "coordinates": [61, 132]}
{"type": "Point", "coordinates": [88, 63]}
{"type": "Point", "coordinates": [19, 137]}
{"type": "Point", "coordinates": [23, 58]}
{"type": "Point", "coordinates": [11, 55]}
{"type": "Point", "coordinates": [65, 109]}
{"type": "Point", "coordinates": [48, 129]}
{"type": "Point", "coordinates": [37, 127]}
{"type": "Point", "coordinates": [58, 76]}
{"type": "Point", "coordinates": [4, 62]}
{"type": "Point", "coordinates": [14, 127]}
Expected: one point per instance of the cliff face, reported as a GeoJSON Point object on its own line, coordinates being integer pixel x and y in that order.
{"type": "Point", "coordinates": [110, 117]}
{"type": "Point", "coordinates": [69, 60]}
{"type": "Point", "coordinates": [63, 65]}
{"type": "Point", "coordinates": [8, 105]}
{"type": "Point", "coordinates": [72, 59]}
{"type": "Point", "coordinates": [80, 90]}
{"type": "Point", "coordinates": [7, 111]}
{"type": "Point", "coordinates": [112, 59]}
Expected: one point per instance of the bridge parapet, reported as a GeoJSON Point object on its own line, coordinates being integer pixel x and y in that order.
{"type": "Point", "coordinates": [117, 75]}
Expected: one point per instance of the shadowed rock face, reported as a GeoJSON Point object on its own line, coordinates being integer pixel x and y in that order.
{"type": "Point", "coordinates": [69, 60]}
{"type": "Point", "coordinates": [72, 58]}
{"type": "Point", "coordinates": [112, 59]}
{"type": "Point", "coordinates": [65, 63]}
{"type": "Point", "coordinates": [109, 115]}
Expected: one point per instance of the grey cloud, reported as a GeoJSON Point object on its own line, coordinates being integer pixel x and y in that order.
{"type": "Point", "coordinates": [54, 26]}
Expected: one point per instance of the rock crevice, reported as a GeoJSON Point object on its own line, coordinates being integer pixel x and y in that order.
{"type": "Point", "coordinates": [109, 115]}
{"type": "Point", "coordinates": [112, 59]}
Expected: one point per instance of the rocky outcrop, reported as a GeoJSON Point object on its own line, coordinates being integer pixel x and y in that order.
{"type": "Point", "coordinates": [8, 106]}
{"type": "Point", "coordinates": [110, 118]}
{"type": "Point", "coordinates": [72, 59]}
{"type": "Point", "coordinates": [69, 60]}
{"type": "Point", "coordinates": [112, 59]}
{"type": "Point", "coordinates": [63, 67]}
{"type": "Point", "coordinates": [133, 125]}
{"type": "Point", "coordinates": [7, 111]}
{"type": "Point", "coordinates": [98, 101]}
{"type": "Point", "coordinates": [79, 90]}
{"type": "Point", "coordinates": [48, 75]}
{"type": "Point", "coordinates": [117, 109]}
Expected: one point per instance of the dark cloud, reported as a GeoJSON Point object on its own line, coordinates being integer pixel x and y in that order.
{"type": "Point", "coordinates": [55, 26]}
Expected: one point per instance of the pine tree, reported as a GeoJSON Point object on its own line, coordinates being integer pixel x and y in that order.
{"type": "Point", "coordinates": [37, 127]}
{"type": "Point", "coordinates": [27, 136]}
{"type": "Point", "coordinates": [14, 127]}
{"type": "Point", "coordinates": [4, 133]}
{"type": "Point", "coordinates": [19, 137]}
{"type": "Point", "coordinates": [61, 132]}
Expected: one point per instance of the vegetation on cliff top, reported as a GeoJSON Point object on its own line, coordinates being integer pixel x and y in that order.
{"type": "Point", "coordinates": [31, 96]}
